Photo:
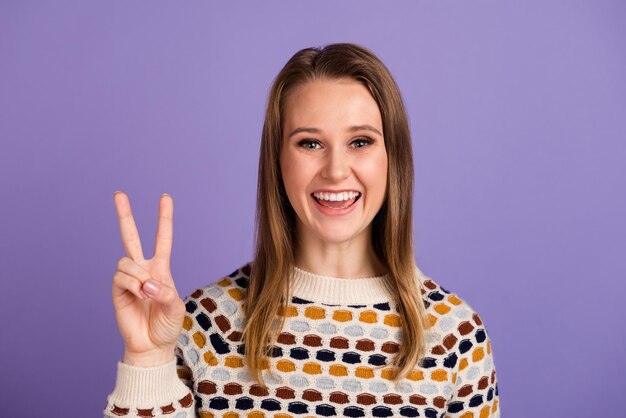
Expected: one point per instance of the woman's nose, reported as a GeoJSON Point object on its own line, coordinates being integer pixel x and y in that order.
{"type": "Point", "coordinates": [336, 165]}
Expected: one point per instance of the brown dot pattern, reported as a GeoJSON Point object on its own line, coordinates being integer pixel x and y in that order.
{"type": "Point", "coordinates": [330, 360]}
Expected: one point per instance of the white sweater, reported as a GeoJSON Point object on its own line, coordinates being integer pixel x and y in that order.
{"type": "Point", "coordinates": [330, 358]}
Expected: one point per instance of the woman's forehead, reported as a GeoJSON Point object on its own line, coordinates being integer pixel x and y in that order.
{"type": "Point", "coordinates": [331, 104]}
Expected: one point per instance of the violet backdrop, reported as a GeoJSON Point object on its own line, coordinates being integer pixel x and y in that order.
{"type": "Point", "coordinates": [518, 117]}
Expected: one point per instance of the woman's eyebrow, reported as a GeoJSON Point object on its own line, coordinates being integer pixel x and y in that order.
{"type": "Point", "coordinates": [309, 130]}
{"type": "Point", "coordinates": [350, 129]}
{"type": "Point", "coordinates": [364, 128]}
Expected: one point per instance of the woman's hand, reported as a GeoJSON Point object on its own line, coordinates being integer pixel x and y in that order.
{"type": "Point", "coordinates": [148, 309]}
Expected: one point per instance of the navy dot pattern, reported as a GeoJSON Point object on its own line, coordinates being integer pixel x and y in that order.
{"type": "Point", "coordinates": [333, 359]}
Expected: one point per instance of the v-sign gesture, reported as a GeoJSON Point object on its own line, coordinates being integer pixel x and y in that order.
{"type": "Point", "coordinates": [148, 309]}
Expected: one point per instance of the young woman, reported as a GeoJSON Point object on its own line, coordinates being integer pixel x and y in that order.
{"type": "Point", "coordinates": [332, 317]}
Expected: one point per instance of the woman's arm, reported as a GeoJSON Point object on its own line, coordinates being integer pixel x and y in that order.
{"type": "Point", "coordinates": [152, 391]}
{"type": "Point", "coordinates": [476, 386]}
{"type": "Point", "coordinates": [149, 315]}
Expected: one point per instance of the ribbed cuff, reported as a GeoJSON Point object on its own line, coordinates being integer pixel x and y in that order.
{"type": "Point", "coordinates": [147, 386]}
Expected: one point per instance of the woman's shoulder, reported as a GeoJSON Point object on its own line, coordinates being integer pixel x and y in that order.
{"type": "Point", "coordinates": [231, 286]}
{"type": "Point", "coordinates": [450, 315]}
{"type": "Point", "coordinates": [215, 316]}
{"type": "Point", "coordinates": [221, 299]}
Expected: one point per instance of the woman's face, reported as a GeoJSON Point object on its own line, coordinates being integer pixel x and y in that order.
{"type": "Point", "coordinates": [333, 159]}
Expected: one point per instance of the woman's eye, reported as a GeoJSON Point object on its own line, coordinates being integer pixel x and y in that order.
{"type": "Point", "coordinates": [308, 144]}
{"type": "Point", "coordinates": [361, 142]}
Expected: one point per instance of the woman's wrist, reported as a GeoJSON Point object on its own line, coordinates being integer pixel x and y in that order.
{"type": "Point", "coordinates": [157, 357]}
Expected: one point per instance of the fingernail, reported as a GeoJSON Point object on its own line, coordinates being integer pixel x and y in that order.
{"type": "Point", "coordinates": [151, 287]}
{"type": "Point", "coordinates": [165, 194]}
{"type": "Point", "coordinates": [117, 191]}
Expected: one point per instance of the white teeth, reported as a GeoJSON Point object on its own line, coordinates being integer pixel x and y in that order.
{"type": "Point", "coordinates": [336, 197]}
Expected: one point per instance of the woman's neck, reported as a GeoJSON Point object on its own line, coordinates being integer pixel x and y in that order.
{"type": "Point", "coordinates": [352, 259]}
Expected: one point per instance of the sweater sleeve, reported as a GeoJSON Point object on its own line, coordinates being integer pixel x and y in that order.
{"type": "Point", "coordinates": [475, 391]}
{"type": "Point", "coordinates": [160, 391]}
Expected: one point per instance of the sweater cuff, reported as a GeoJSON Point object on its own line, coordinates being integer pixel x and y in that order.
{"type": "Point", "coordinates": [147, 386]}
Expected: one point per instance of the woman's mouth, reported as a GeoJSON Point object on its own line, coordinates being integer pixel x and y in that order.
{"type": "Point", "coordinates": [337, 201]}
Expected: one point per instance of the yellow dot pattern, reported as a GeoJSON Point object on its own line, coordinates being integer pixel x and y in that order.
{"type": "Point", "coordinates": [329, 360]}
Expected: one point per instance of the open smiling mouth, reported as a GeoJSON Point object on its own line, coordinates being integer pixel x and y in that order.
{"type": "Point", "coordinates": [336, 200]}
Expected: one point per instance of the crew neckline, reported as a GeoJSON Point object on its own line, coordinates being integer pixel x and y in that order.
{"type": "Point", "coordinates": [340, 290]}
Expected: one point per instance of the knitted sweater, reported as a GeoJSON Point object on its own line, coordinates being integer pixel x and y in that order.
{"type": "Point", "coordinates": [329, 360]}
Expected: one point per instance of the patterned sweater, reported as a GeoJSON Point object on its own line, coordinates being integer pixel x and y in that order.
{"type": "Point", "coordinates": [329, 360]}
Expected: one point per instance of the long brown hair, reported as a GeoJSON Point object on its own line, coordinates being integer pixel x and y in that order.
{"type": "Point", "coordinates": [268, 288]}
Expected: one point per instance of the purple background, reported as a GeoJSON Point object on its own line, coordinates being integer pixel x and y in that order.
{"type": "Point", "coordinates": [518, 120]}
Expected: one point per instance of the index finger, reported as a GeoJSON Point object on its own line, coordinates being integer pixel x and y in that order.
{"type": "Point", "coordinates": [128, 229]}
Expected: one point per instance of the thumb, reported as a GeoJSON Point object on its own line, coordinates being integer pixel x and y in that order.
{"type": "Point", "coordinates": [167, 297]}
